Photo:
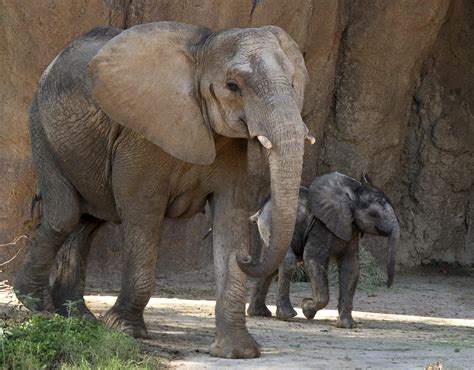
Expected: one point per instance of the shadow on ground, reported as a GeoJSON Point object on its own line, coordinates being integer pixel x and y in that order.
{"type": "Point", "coordinates": [424, 319]}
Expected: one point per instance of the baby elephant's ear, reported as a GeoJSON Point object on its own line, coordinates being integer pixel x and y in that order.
{"type": "Point", "coordinates": [145, 79]}
{"type": "Point", "coordinates": [331, 199]}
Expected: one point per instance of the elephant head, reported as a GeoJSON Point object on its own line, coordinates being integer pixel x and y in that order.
{"type": "Point", "coordinates": [345, 205]}
{"type": "Point", "coordinates": [180, 86]}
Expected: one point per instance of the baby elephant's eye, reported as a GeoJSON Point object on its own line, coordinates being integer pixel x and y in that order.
{"type": "Point", "coordinates": [374, 214]}
{"type": "Point", "coordinates": [232, 86]}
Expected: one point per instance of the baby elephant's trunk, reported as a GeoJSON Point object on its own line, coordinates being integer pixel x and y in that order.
{"type": "Point", "coordinates": [394, 239]}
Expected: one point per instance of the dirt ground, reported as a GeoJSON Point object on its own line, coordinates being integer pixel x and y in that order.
{"type": "Point", "coordinates": [424, 319]}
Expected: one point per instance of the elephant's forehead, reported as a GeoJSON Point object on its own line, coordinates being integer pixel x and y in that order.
{"type": "Point", "coordinates": [374, 196]}
{"type": "Point", "coordinates": [246, 41]}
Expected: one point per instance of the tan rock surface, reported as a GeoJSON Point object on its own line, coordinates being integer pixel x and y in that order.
{"type": "Point", "coordinates": [391, 93]}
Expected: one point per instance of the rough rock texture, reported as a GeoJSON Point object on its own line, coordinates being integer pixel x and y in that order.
{"type": "Point", "coordinates": [437, 197]}
{"type": "Point", "coordinates": [391, 94]}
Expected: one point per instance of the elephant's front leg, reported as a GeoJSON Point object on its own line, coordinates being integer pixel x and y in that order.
{"type": "Point", "coordinates": [231, 239]}
{"type": "Point", "coordinates": [138, 279]}
{"type": "Point", "coordinates": [316, 257]}
{"type": "Point", "coordinates": [348, 266]}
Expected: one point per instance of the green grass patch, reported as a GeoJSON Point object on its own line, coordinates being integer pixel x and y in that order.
{"type": "Point", "coordinates": [56, 342]}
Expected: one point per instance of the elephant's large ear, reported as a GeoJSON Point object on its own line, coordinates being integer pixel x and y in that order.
{"type": "Point", "coordinates": [293, 53]}
{"type": "Point", "coordinates": [330, 199]}
{"type": "Point", "coordinates": [144, 79]}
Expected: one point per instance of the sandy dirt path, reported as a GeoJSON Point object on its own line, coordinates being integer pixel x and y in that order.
{"type": "Point", "coordinates": [423, 320]}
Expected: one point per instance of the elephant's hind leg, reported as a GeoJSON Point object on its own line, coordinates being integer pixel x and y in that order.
{"type": "Point", "coordinates": [257, 306]}
{"type": "Point", "coordinates": [68, 287]}
{"type": "Point", "coordinates": [61, 213]}
{"type": "Point", "coordinates": [348, 266]}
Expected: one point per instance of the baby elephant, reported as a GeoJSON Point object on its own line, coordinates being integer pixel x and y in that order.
{"type": "Point", "coordinates": [332, 215]}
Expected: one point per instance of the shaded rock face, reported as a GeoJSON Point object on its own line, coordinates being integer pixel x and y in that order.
{"type": "Point", "coordinates": [391, 93]}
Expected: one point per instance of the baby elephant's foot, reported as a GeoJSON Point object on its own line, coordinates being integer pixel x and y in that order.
{"type": "Point", "coordinates": [309, 308]}
{"type": "Point", "coordinates": [285, 312]}
{"type": "Point", "coordinates": [346, 322]}
{"type": "Point", "coordinates": [258, 310]}
{"type": "Point", "coordinates": [236, 345]}
{"type": "Point", "coordinates": [132, 326]}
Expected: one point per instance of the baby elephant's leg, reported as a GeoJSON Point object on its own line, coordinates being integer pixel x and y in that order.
{"type": "Point", "coordinates": [316, 261]}
{"type": "Point", "coordinates": [285, 273]}
{"type": "Point", "coordinates": [348, 265]}
{"type": "Point", "coordinates": [257, 306]}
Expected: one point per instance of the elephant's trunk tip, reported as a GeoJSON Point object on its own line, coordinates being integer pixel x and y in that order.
{"type": "Point", "coordinates": [310, 139]}
{"type": "Point", "coordinates": [392, 251]}
{"type": "Point", "coordinates": [244, 260]}
{"type": "Point", "coordinates": [249, 267]}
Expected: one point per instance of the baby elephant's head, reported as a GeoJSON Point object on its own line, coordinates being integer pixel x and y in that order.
{"type": "Point", "coordinates": [373, 211]}
{"type": "Point", "coordinates": [346, 205]}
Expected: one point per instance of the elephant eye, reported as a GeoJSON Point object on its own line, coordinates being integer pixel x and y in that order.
{"type": "Point", "coordinates": [374, 214]}
{"type": "Point", "coordinates": [232, 86]}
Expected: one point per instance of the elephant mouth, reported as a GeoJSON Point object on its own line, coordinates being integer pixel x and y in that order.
{"type": "Point", "coordinates": [381, 232]}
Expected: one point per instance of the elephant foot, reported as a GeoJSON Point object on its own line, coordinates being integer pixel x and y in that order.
{"type": "Point", "coordinates": [346, 322]}
{"type": "Point", "coordinates": [286, 312]}
{"type": "Point", "coordinates": [309, 309]}
{"type": "Point", "coordinates": [135, 327]}
{"type": "Point", "coordinates": [258, 310]}
{"type": "Point", "coordinates": [34, 294]}
{"type": "Point", "coordinates": [73, 308]}
{"type": "Point", "coordinates": [236, 345]}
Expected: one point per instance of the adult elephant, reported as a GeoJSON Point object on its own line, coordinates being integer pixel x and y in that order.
{"type": "Point", "coordinates": [137, 125]}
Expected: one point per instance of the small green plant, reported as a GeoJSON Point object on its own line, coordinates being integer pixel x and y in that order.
{"type": "Point", "coordinates": [57, 342]}
{"type": "Point", "coordinates": [71, 308]}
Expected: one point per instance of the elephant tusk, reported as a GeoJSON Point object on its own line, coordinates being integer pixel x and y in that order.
{"type": "Point", "coordinates": [310, 139]}
{"type": "Point", "coordinates": [265, 142]}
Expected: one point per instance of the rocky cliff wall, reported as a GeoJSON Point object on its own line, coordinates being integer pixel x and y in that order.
{"type": "Point", "coordinates": [391, 93]}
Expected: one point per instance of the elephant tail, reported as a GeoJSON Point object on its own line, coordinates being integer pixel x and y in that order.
{"type": "Point", "coordinates": [209, 232]}
{"type": "Point", "coordinates": [35, 210]}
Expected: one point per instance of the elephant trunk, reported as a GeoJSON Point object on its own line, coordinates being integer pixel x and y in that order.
{"type": "Point", "coordinates": [283, 126]}
{"type": "Point", "coordinates": [393, 242]}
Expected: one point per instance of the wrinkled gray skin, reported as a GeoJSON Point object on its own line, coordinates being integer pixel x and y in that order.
{"type": "Point", "coordinates": [152, 122]}
{"type": "Point", "coordinates": [331, 216]}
